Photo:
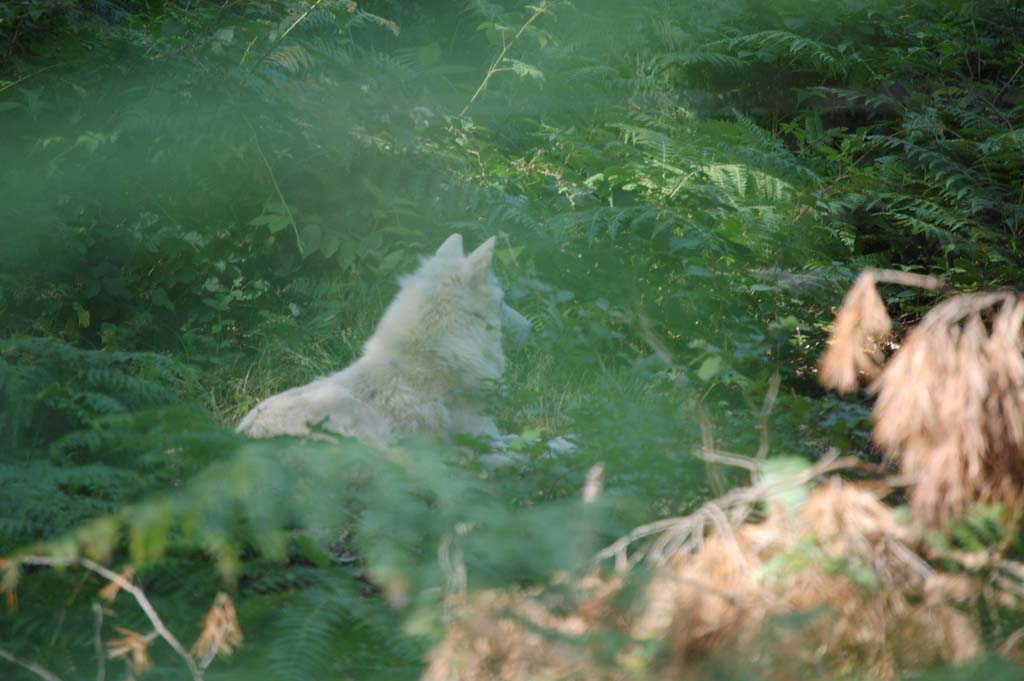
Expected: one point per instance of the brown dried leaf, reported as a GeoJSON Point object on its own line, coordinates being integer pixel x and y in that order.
{"type": "Point", "coordinates": [131, 643]}
{"type": "Point", "coordinates": [853, 346]}
{"type": "Point", "coordinates": [221, 630]}
{"type": "Point", "coordinates": [9, 582]}
{"type": "Point", "coordinates": [110, 591]}
{"type": "Point", "coordinates": [950, 408]}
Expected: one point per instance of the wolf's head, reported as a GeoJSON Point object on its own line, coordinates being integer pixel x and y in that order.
{"type": "Point", "coordinates": [446, 323]}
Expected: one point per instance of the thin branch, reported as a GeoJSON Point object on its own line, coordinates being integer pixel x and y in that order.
{"type": "Point", "coordinates": [1007, 83]}
{"type": "Point", "coordinates": [728, 510]}
{"type": "Point", "coordinates": [139, 595]}
{"type": "Point", "coordinates": [501, 56]}
{"type": "Point", "coordinates": [766, 412]}
{"type": "Point", "coordinates": [11, 84]}
{"type": "Point", "coordinates": [101, 658]}
{"type": "Point", "coordinates": [593, 484]}
{"type": "Point", "coordinates": [729, 459]}
{"type": "Point", "coordinates": [926, 281]}
{"type": "Point", "coordinates": [707, 447]}
{"type": "Point", "coordinates": [247, 48]}
{"type": "Point", "coordinates": [31, 666]}
{"type": "Point", "coordinates": [656, 344]}
{"type": "Point", "coordinates": [299, 20]}
{"type": "Point", "coordinates": [273, 179]}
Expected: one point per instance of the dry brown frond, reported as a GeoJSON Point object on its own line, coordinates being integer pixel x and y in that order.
{"type": "Point", "coordinates": [132, 643]}
{"type": "Point", "coordinates": [9, 582]}
{"type": "Point", "coordinates": [512, 635]}
{"type": "Point", "coordinates": [842, 563]}
{"type": "Point", "coordinates": [950, 407]}
{"type": "Point", "coordinates": [221, 631]}
{"type": "Point", "coordinates": [110, 591]}
{"type": "Point", "coordinates": [853, 346]}
{"type": "Point", "coordinates": [833, 586]}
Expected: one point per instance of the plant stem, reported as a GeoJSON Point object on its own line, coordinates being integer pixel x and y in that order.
{"type": "Point", "coordinates": [501, 55]}
{"type": "Point", "coordinates": [31, 666]}
{"type": "Point", "coordinates": [140, 598]}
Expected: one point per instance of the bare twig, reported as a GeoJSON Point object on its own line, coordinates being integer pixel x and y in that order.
{"type": "Point", "coordinates": [31, 666]}
{"type": "Point", "coordinates": [729, 459]}
{"type": "Point", "coordinates": [707, 445]}
{"type": "Point", "coordinates": [656, 344]}
{"type": "Point", "coordinates": [766, 412]}
{"type": "Point", "coordinates": [711, 455]}
{"type": "Point", "coordinates": [1007, 83]}
{"type": "Point", "coordinates": [136, 592]}
{"type": "Point", "coordinates": [494, 68]}
{"type": "Point", "coordinates": [926, 281]}
{"type": "Point", "coordinates": [452, 562]}
{"type": "Point", "coordinates": [593, 483]}
{"type": "Point", "coordinates": [247, 48]}
{"type": "Point", "coordinates": [299, 20]}
{"type": "Point", "coordinates": [97, 641]}
{"type": "Point", "coordinates": [726, 512]}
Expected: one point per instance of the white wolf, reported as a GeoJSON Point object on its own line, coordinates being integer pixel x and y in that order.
{"type": "Point", "coordinates": [436, 348]}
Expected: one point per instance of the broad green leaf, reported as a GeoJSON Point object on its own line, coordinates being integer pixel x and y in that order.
{"type": "Point", "coordinates": [309, 240]}
{"type": "Point", "coordinates": [329, 244]}
{"type": "Point", "coordinates": [274, 222]}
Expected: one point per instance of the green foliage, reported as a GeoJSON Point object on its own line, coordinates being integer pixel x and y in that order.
{"type": "Point", "coordinates": [204, 203]}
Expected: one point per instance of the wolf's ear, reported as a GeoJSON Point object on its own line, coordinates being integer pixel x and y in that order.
{"type": "Point", "coordinates": [452, 247]}
{"type": "Point", "coordinates": [477, 264]}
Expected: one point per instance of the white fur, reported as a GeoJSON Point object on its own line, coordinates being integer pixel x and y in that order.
{"type": "Point", "coordinates": [436, 348]}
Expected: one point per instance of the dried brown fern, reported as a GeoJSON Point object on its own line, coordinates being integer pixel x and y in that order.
{"type": "Point", "coordinates": [853, 346]}
{"type": "Point", "coordinates": [950, 407]}
{"type": "Point", "coordinates": [513, 635]}
{"type": "Point", "coordinates": [862, 324]}
{"type": "Point", "coordinates": [834, 585]}
{"type": "Point", "coordinates": [722, 603]}
{"type": "Point", "coordinates": [950, 404]}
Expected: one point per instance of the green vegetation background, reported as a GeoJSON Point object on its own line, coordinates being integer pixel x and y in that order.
{"type": "Point", "coordinates": [204, 203]}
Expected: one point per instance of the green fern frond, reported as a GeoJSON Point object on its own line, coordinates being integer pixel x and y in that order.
{"type": "Point", "coordinates": [798, 47]}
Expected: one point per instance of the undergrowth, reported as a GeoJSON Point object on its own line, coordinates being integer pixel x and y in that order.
{"type": "Point", "coordinates": [205, 204]}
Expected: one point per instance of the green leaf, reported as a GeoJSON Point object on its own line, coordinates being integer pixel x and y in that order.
{"type": "Point", "coordinates": [309, 240]}
{"type": "Point", "coordinates": [345, 258]}
{"type": "Point", "coordinates": [507, 256]}
{"type": "Point", "coordinates": [524, 70]}
{"type": "Point", "coordinates": [308, 549]}
{"type": "Point", "coordinates": [329, 244]}
{"type": "Point", "coordinates": [274, 222]}
{"type": "Point", "coordinates": [390, 262]}
{"type": "Point", "coordinates": [84, 318]}
{"type": "Point", "coordinates": [429, 54]}
{"type": "Point", "coordinates": [710, 368]}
